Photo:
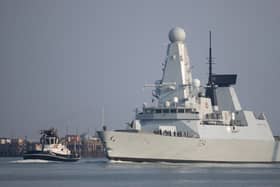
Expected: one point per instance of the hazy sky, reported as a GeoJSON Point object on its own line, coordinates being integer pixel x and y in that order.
{"type": "Point", "coordinates": [62, 61]}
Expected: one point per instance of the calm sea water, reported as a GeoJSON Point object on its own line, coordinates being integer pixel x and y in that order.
{"type": "Point", "coordinates": [101, 173]}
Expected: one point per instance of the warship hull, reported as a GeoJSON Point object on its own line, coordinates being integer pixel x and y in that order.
{"type": "Point", "coordinates": [147, 147]}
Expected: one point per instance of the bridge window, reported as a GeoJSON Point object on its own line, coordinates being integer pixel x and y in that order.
{"type": "Point", "coordinates": [149, 111]}
{"type": "Point", "coordinates": [158, 110]}
{"type": "Point", "coordinates": [181, 110]}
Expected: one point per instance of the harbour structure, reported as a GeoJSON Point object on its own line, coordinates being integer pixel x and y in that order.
{"type": "Point", "coordinates": [11, 147]}
{"type": "Point", "coordinates": [91, 146]}
{"type": "Point", "coordinates": [193, 123]}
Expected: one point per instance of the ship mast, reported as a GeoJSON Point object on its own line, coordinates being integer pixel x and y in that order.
{"type": "Point", "coordinates": [211, 87]}
{"type": "Point", "coordinates": [210, 81]}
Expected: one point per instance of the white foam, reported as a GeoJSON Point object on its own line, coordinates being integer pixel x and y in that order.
{"type": "Point", "coordinates": [120, 162]}
{"type": "Point", "coordinates": [28, 161]}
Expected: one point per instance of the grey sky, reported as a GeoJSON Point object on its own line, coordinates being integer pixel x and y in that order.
{"type": "Point", "coordinates": [62, 61]}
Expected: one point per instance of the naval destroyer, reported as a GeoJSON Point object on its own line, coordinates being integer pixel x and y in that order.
{"type": "Point", "coordinates": [193, 123]}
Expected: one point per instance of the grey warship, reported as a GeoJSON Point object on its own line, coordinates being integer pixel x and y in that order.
{"type": "Point", "coordinates": [193, 123]}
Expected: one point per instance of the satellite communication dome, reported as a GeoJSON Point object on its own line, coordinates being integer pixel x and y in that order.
{"type": "Point", "coordinates": [196, 83]}
{"type": "Point", "coordinates": [176, 99]}
{"type": "Point", "coordinates": [167, 104]}
{"type": "Point", "coordinates": [177, 34]}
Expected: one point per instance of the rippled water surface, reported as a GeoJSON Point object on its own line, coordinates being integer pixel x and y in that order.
{"type": "Point", "coordinates": [101, 173]}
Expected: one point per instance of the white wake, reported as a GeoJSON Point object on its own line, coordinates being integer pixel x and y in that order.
{"type": "Point", "coordinates": [28, 161]}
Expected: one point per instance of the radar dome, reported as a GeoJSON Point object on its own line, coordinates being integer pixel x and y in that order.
{"type": "Point", "coordinates": [196, 83]}
{"type": "Point", "coordinates": [177, 34]}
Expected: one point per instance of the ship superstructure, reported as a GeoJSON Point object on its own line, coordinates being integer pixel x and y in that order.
{"type": "Point", "coordinates": [191, 122]}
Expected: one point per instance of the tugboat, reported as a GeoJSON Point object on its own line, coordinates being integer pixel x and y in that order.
{"type": "Point", "coordinates": [51, 149]}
